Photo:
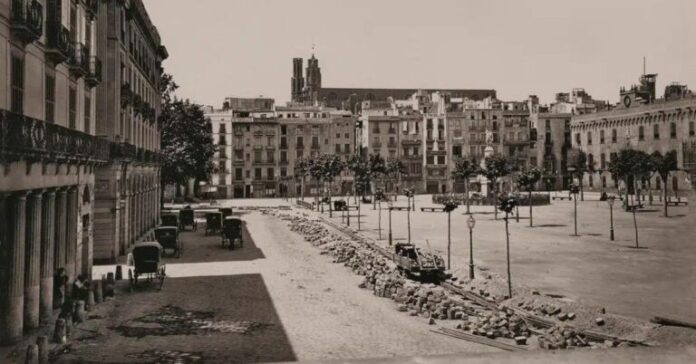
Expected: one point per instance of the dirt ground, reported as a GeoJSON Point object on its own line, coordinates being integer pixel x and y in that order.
{"type": "Point", "coordinates": [275, 299]}
{"type": "Point", "coordinates": [657, 279]}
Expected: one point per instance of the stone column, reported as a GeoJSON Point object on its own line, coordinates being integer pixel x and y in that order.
{"type": "Point", "coordinates": [61, 223]}
{"type": "Point", "coordinates": [47, 259]}
{"type": "Point", "coordinates": [71, 233]}
{"type": "Point", "coordinates": [32, 268]}
{"type": "Point", "coordinates": [12, 274]}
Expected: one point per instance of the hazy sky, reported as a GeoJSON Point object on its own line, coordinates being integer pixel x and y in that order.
{"type": "Point", "coordinates": [222, 48]}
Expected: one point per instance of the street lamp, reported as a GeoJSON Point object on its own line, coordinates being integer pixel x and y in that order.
{"type": "Point", "coordinates": [471, 222]}
{"type": "Point", "coordinates": [390, 224]}
{"type": "Point", "coordinates": [574, 190]}
{"type": "Point", "coordinates": [610, 201]}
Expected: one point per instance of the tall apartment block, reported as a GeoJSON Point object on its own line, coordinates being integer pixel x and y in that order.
{"type": "Point", "coordinates": [49, 152]}
{"type": "Point", "coordinates": [78, 142]}
{"type": "Point", "coordinates": [127, 190]}
{"type": "Point", "coordinates": [259, 146]}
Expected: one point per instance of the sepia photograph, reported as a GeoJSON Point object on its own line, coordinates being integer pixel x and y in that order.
{"type": "Point", "coordinates": [326, 181]}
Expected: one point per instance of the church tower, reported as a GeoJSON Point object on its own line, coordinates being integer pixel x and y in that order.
{"type": "Point", "coordinates": [297, 81]}
{"type": "Point", "coordinates": [313, 73]}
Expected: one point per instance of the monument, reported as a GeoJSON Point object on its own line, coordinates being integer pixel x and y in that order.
{"type": "Point", "coordinates": [487, 152]}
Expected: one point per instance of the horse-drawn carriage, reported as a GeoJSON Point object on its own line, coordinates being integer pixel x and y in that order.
{"type": "Point", "coordinates": [232, 231]}
{"type": "Point", "coordinates": [146, 259]}
{"type": "Point", "coordinates": [168, 238]}
{"type": "Point", "coordinates": [187, 218]}
{"type": "Point", "coordinates": [213, 223]}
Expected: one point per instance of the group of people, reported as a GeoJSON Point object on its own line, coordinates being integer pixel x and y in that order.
{"type": "Point", "coordinates": [64, 298]}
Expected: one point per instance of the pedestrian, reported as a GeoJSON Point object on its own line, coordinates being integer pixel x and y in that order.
{"type": "Point", "coordinates": [60, 282]}
{"type": "Point", "coordinates": [79, 288]}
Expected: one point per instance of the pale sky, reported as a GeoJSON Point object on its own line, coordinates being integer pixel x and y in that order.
{"type": "Point", "coordinates": [221, 48]}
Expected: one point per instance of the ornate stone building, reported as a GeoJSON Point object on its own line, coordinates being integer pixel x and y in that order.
{"type": "Point", "coordinates": [641, 122]}
{"type": "Point", "coordinates": [48, 153]}
{"type": "Point", "coordinates": [128, 102]}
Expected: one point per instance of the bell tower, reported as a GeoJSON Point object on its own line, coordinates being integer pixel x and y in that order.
{"type": "Point", "coordinates": [297, 81]}
{"type": "Point", "coordinates": [313, 73]}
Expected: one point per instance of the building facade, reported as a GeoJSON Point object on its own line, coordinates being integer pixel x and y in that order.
{"type": "Point", "coordinates": [257, 150]}
{"type": "Point", "coordinates": [48, 153]}
{"type": "Point", "coordinates": [127, 190]}
{"type": "Point", "coordinates": [641, 122]}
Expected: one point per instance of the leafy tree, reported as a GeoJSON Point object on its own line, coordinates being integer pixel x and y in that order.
{"type": "Point", "coordinates": [448, 206]}
{"type": "Point", "coordinates": [642, 170]}
{"type": "Point", "coordinates": [376, 169]}
{"type": "Point", "coordinates": [526, 181]}
{"type": "Point", "coordinates": [497, 166]}
{"type": "Point", "coordinates": [332, 166]}
{"type": "Point", "coordinates": [464, 169]}
{"type": "Point", "coordinates": [395, 169]}
{"type": "Point", "coordinates": [623, 168]}
{"type": "Point", "coordinates": [507, 204]}
{"type": "Point", "coordinates": [186, 138]}
{"type": "Point", "coordinates": [664, 165]}
{"type": "Point", "coordinates": [301, 170]}
{"type": "Point", "coordinates": [577, 159]}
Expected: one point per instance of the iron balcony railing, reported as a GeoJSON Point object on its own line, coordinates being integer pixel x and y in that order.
{"type": "Point", "coordinates": [58, 47]}
{"type": "Point", "coordinates": [23, 137]}
{"type": "Point", "coordinates": [92, 7]}
{"type": "Point", "coordinates": [79, 61]}
{"type": "Point", "coordinates": [27, 20]}
{"type": "Point", "coordinates": [94, 77]}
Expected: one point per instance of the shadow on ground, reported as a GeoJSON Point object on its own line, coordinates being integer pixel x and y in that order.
{"type": "Point", "coordinates": [220, 319]}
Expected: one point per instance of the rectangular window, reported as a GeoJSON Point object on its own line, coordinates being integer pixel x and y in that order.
{"type": "Point", "coordinates": [346, 148]}
{"type": "Point", "coordinates": [338, 148]}
{"type": "Point", "coordinates": [613, 135]}
{"type": "Point", "coordinates": [88, 114]}
{"type": "Point", "coordinates": [270, 156]}
{"type": "Point", "coordinates": [72, 108]}
{"type": "Point", "coordinates": [257, 156]}
{"type": "Point", "coordinates": [673, 131]}
{"type": "Point", "coordinates": [17, 70]}
{"type": "Point", "coordinates": [257, 174]}
{"type": "Point", "coordinates": [601, 137]}
{"type": "Point", "coordinates": [50, 99]}
{"type": "Point", "coordinates": [270, 173]}
{"type": "Point", "coordinates": [299, 154]}
{"type": "Point", "coordinates": [440, 159]}
{"type": "Point", "coordinates": [315, 142]}
{"type": "Point", "coordinates": [300, 142]}
{"type": "Point", "coordinates": [238, 174]}
{"type": "Point", "coordinates": [283, 156]}
{"type": "Point", "coordinates": [283, 172]}
{"type": "Point", "coordinates": [248, 173]}
{"type": "Point", "coordinates": [656, 131]}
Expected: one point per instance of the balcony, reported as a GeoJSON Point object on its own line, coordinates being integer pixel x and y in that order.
{"type": "Point", "coordinates": [410, 142]}
{"type": "Point", "coordinates": [27, 20]}
{"type": "Point", "coordinates": [126, 95]}
{"type": "Point", "coordinates": [376, 144]}
{"type": "Point", "coordinates": [78, 63]}
{"type": "Point", "coordinates": [22, 137]}
{"type": "Point", "coordinates": [58, 45]}
{"type": "Point", "coordinates": [91, 9]}
{"type": "Point", "coordinates": [391, 144]}
{"type": "Point", "coordinates": [94, 77]}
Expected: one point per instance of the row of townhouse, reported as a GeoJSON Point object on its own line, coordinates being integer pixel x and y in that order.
{"type": "Point", "coordinates": [79, 161]}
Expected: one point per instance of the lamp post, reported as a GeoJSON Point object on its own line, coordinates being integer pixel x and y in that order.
{"type": "Point", "coordinates": [471, 222]}
{"type": "Point", "coordinates": [574, 190]}
{"type": "Point", "coordinates": [390, 224]}
{"type": "Point", "coordinates": [610, 201]}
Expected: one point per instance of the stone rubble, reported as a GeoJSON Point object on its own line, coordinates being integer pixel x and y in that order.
{"type": "Point", "coordinates": [431, 301]}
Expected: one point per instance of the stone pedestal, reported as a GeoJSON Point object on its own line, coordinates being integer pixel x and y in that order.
{"type": "Point", "coordinates": [32, 267]}
{"type": "Point", "coordinates": [487, 152]}
{"type": "Point", "coordinates": [12, 276]}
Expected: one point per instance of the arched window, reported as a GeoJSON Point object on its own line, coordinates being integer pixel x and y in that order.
{"type": "Point", "coordinates": [673, 130]}
{"type": "Point", "coordinates": [641, 133]}
{"type": "Point", "coordinates": [589, 138]}
{"type": "Point", "coordinates": [613, 135]}
{"type": "Point", "coordinates": [656, 131]}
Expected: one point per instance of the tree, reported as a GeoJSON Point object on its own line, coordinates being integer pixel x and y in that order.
{"type": "Point", "coordinates": [186, 138]}
{"type": "Point", "coordinates": [301, 169]}
{"type": "Point", "coordinates": [464, 169]}
{"type": "Point", "coordinates": [395, 168]}
{"type": "Point", "coordinates": [449, 205]}
{"type": "Point", "coordinates": [376, 169]}
{"type": "Point", "coordinates": [664, 165]}
{"type": "Point", "coordinates": [497, 166]}
{"type": "Point", "coordinates": [642, 170]}
{"type": "Point", "coordinates": [507, 204]}
{"type": "Point", "coordinates": [577, 160]}
{"type": "Point", "coordinates": [526, 181]}
{"type": "Point", "coordinates": [622, 167]}
{"type": "Point", "coordinates": [331, 166]}
{"type": "Point", "coordinates": [315, 170]}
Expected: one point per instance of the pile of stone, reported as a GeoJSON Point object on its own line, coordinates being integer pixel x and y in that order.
{"type": "Point", "coordinates": [500, 324]}
{"type": "Point", "coordinates": [558, 337]}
